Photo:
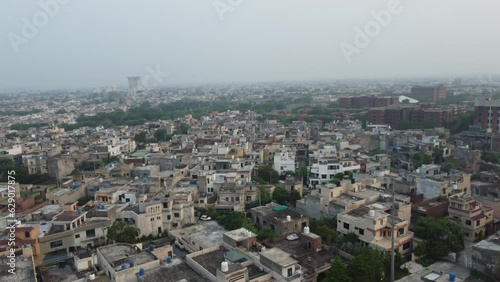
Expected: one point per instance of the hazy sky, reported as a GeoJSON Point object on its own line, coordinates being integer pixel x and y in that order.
{"type": "Point", "coordinates": [88, 43]}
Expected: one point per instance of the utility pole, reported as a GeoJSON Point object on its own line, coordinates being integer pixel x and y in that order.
{"type": "Point", "coordinates": [393, 207]}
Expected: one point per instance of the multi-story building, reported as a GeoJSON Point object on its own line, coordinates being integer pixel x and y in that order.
{"type": "Point", "coordinates": [178, 209]}
{"type": "Point", "coordinates": [428, 93]}
{"type": "Point", "coordinates": [324, 170]}
{"type": "Point", "coordinates": [440, 117]}
{"type": "Point", "coordinates": [487, 115]}
{"type": "Point", "coordinates": [279, 219]}
{"type": "Point", "coordinates": [368, 101]}
{"type": "Point", "coordinates": [374, 228]}
{"type": "Point", "coordinates": [145, 216]}
{"type": "Point", "coordinates": [471, 215]}
{"type": "Point", "coordinates": [283, 162]}
{"type": "Point", "coordinates": [68, 231]}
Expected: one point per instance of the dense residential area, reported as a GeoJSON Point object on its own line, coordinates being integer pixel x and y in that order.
{"type": "Point", "coordinates": [319, 181]}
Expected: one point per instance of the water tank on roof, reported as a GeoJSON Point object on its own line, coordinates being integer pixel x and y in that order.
{"type": "Point", "coordinates": [306, 229]}
{"type": "Point", "coordinates": [169, 259]}
{"type": "Point", "coordinates": [79, 211]}
{"type": "Point", "coordinates": [124, 266]}
{"type": "Point", "coordinates": [371, 213]}
{"type": "Point", "coordinates": [452, 277]}
{"type": "Point", "coordinates": [151, 248]}
{"type": "Point", "coordinates": [145, 180]}
{"type": "Point", "coordinates": [224, 266]}
{"type": "Point", "coordinates": [92, 276]}
{"type": "Point", "coordinates": [131, 264]}
{"type": "Point", "coordinates": [288, 218]}
{"type": "Point", "coordinates": [141, 272]}
{"type": "Point", "coordinates": [106, 186]}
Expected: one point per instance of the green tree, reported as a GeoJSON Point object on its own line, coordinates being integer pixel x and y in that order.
{"type": "Point", "coordinates": [268, 173]}
{"type": "Point", "coordinates": [6, 165]}
{"type": "Point", "coordinates": [141, 137]}
{"type": "Point", "coordinates": [266, 234]}
{"type": "Point", "coordinates": [123, 232]}
{"type": "Point", "coordinates": [367, 265]}
{"type": "Point", "coordinates": [448, 166]}
{"type": "Point", "coordinates": [338, 272]}
{"type": "Point", "coordinates": [265, 196]}
{"type": "Point", "coordinates": [235, 220]}
{"type": "Point", "coordinates": [441, 235]}
{"type": "Point", "coordinates": [294, 196]}
{"type": "Point", "coordinates": [438, 155]}
{"type": "Point", "coordinates": [281, 195]}
{"type": "Point", "coordinates": [421, 158]}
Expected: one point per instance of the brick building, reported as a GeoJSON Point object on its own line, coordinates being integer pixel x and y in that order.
{"type": "Point", "coordinates": [368, 101]}
{"type": "Point", "coordinates": [430, 93]}
{"type": "Point", "coordinates": [441, 117]}
{"type": "Point", "coordinates": [487, 115]}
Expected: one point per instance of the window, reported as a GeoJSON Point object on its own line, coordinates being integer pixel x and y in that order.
{"type": "Point", "coordinates": [26, 234]}
{"type": "Point", "coordinates": [346, 225]}
{"type": "Point", "coordinates": [407, 246]}
{"type": "Point", "coordinates": [77, 236]}
{"type": "Point", "coordinates": [468, 222]}
{"type": "Point", "coordinates": [176, 214]}
{"type": "Point", "coordinates": [477, 223]}
{"type": "Point", "coordinates": [289, 272]}
{"type": "Point", "coordinates": [168, 217]}
{"type": "Point", "coordinates": [90, 233]}
{"type": "Point", "coordinates": [361, 231]}
{"type": "Point", "coordinates": [56, 244]}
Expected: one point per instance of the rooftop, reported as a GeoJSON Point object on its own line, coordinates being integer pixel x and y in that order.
{"type": "Point", "coordinates": [239, 234]}
{"type": "Point", "coordinates": [212, 261]}
{"type": "Point", "coordinates": [67, 216]}
{"type": "Point", "coordinates": [125, 253]}
{"type": "Point", "coordinates": [279, 256]}
{"type": "Point", "coordinates": [175, 271]}
{"type": "Point", "coordinates": [24, 271]}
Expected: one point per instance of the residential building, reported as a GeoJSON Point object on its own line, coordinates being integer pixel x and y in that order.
{"type": "Point", "coordinates": [324, 170]}
{"type": "Point", "coordinates": [471, 215]}
{"type": "Point", "coordinates": [374, 228]}
{"type": "Point", "coordinates": [280, 219]}
{"type": "Point", "coordinates": [428, 93]}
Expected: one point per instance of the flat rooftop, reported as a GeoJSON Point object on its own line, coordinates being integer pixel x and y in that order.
{"type": "Point", "coordinates": [175, 271]}
{"type": "Point", "coordinates": [125, 253]}
{"type": "Point", "coordinates": [239, 234]}
{"type": "Point", "coordinates": [24, 271]}
{"type": "Point", "coordinates": [67, 216]}
{"type": "Point", "coordinates": [212, 261]}
{"type": "Point", "coordinates": [279, 256]}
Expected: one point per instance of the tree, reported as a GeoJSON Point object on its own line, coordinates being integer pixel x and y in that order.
{"type": "Point", "coordinates": [235, 220]}
{"type": "Point", "coordinates": [447, 167]}
{"type": "Point", "coordinates": [420, 158]}
{"type": "Point", "coordinates": [338, 272]}
{"type": "Point", "coordinates": [281, 195]}
{"type": "Point", "coordinates": [367, 265]}
{"type": "Point", "coordinates": [161, 135]}
{"type": "Point", "coordinates": [438, 155]}
{"type": "Point", "coordinates": [294, 196]}
{"type": "Point", "coordinates": [141, 137]}
{"type": "Point", "coordinates": [265, 196]}
{"type": "Point", "coordinates": [268, 173]}
{"type": "Point", "coordinates": [442, 236]}
{"type": "Point", "coordinates": [123, 232]}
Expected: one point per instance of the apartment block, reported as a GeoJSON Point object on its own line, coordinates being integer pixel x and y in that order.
{"type": "Point", "coordinates": [428, 93]}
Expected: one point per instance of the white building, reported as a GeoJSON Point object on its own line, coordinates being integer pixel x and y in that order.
{"type": "Point", "coordinates": [324, 171]}
{"type": "Point", "coordinates": [284, 162]}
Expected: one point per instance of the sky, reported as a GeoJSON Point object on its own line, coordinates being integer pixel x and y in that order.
{"type": "Point", "coordinates": [56, 44]}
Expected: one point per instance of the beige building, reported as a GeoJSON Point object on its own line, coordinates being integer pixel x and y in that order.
{"type": "Point", "coordinates": [373, 228]}
{"type": "Point", "coordinates": [71, 230]}
{"type": "Point", "coordinates": [147, 217]}
{"type": "Point", "coordinates": [178, 209]}
{"type": "Point", "coordinates": [471, 215]}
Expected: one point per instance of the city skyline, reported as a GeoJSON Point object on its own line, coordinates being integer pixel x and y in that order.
{"type": "Point", "coordinates": [254, 41]}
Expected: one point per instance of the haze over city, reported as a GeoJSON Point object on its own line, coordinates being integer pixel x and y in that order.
{"type": "Point", "coordinates": [98, 43]}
